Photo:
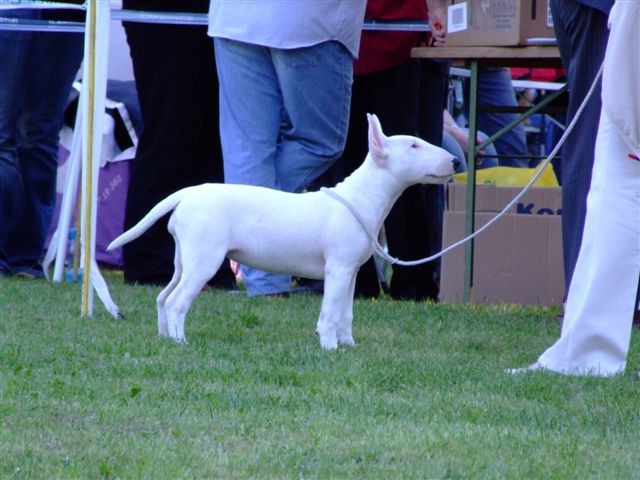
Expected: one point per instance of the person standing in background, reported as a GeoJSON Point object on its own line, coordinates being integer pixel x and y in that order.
{"type": "Point", "coordinates": [37, 70]}
{"type": "Point", "coordinates": [177, 88]}
{"type": "Point", "coordinates": [408, 96]}
{"type": "Point", "coordinates": [495, 88]}
{"type": "Point", "coordinates": [285, 70]}
{"type": "Point", "coordinates": [581, 31]}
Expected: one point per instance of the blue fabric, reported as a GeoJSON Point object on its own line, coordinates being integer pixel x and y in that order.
{"type": "Point", "coordinates": [37, 72]}
{"type": "Point", "coordinates": [495, 88]}
{"type": "Point", "coordinates": [452, 146]}
{"type": "Point", "coordinates": [582, 35]}
{"type": "Point", "coordinates": [603, 5]}
{"type": "Point", "coordinates": [283, 120]}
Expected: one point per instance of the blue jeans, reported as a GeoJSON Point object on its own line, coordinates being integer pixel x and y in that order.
{"type": "Point", "coordinates": [283, 120]}
{"type": "Point", "coordinates": [38, 69]}
{"type": "Point", "coordinates": [495, 88]}
{"type": "Point", "coordinates": [452, 146]}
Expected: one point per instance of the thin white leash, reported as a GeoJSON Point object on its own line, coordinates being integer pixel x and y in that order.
{"type": "Point", "coordinates": [379, 250]}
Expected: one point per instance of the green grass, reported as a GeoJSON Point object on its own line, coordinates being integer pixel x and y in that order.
{"type": "Point", "coordinates": [252, 395]}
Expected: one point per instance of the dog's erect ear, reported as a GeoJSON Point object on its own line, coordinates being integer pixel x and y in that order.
{"type": "Point", "coordinates": [377, 140]}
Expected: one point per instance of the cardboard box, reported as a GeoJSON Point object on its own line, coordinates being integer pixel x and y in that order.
{"type": "Point", "coordinates": [499, 23]}
{"type": "Point", "coordinates": [491, 198]}
{"type": "Point", "coordinates": [518, 259]}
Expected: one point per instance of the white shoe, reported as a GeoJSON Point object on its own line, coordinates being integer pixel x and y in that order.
{"type": "Point", "coordinates": [534, 367]}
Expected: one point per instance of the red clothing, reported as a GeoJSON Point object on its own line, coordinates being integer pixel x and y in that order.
{"type": "Point", "coordinates": [537, 74]}
{"type": "Point", "coordinates": [380, 50]}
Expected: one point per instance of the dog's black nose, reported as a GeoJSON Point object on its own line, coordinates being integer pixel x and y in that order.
{"type": "Point", "coordinates": [456, 163]}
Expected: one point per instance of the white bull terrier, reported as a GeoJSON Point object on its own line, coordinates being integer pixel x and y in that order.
{"type": "Point", "coordinates": [307, 234]}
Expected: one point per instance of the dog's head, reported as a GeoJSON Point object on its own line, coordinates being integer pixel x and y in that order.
{"type": "Point", "coordinates": [409, 159]}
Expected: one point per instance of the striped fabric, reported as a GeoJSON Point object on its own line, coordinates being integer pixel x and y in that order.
{"type": "Point", "coordinates": [288, 24]}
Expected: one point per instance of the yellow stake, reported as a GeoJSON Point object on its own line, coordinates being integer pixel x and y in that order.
{"type": "Point", "coordinates": [88, 223]}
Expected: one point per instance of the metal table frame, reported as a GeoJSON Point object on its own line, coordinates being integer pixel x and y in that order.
{"type": "Point", "coordinates": [474, 57]}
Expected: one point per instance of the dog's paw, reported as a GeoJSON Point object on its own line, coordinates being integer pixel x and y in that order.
{"type": "Point", "coordinates": [178, 340]}
{"type": "Point", "coordinates": [345, 337]}
{"type": "Point", "coordinates": [329, 345]}
{"type": "Point", "coordinates": [346, 341]}
{"type": "Point", "coordinates": [328, 341]}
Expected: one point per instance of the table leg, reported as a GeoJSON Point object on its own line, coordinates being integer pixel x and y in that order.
{"type": "Point", "coordinates": [471, 182]}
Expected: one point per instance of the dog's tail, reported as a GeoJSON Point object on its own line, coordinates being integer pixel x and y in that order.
{"type": "Point", "coordinates": [161, 209]}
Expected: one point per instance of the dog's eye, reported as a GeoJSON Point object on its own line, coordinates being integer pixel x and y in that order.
{"type": "Point", "coordinates": [415, 145]}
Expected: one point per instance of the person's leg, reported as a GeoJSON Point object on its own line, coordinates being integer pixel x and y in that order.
{"type": "Point", "coordinates": [582, 38]}
{"type": "Point", "coordinates": [316, 90]}
{"type": "Point", "coordinates": [54, 60]}
{"type": "Point", "coordinates": [392, 95]}
{"type": "Point", "coordinates": [407, 226]}
{"type": "Point", "coordinates": [14, 48]}
{"type": "Point", "coordinates": [250, 118]}
{"type": "Point", "coordinates": [452, 146]}
{"type": "Point", "coordinates": [250, 113]}
{"type": "Point", "coordinates": [491, 159]}
{"type": "Point", "coordinates": [495, 88]}
{"type": "Point", "coordinates": [598, 317]}
{"type": "Point", "coordinates": [364, 97]}
{"type": "Point", "coordinates": [434, 81]}
{"type": "Point", "coordinates": [179, 145]}
{"type": "Point", "coordinates": [207, 162]}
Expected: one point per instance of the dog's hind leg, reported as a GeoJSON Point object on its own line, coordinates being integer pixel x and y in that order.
{"type": "Point", "coordinates": [343, 331]}
{"type": "Point", "coordinates": [337, 283]}
{"type": "Point", "coordinates": [163, 328]}
{"type": "Point", "coordinates": [196, 271]}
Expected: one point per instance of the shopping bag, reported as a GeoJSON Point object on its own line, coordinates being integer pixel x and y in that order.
{"type": "Point", "coordinates": [511, 177]}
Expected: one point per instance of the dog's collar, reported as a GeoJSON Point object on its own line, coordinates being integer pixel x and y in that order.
{"type": "Point", "coordinates": [378, 250]}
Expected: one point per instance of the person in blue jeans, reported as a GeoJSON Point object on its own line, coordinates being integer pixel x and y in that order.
{"type": "Point", "coordinates": [455, 140]}
{"type": "Point", "coordinates": [37, 72]}
{"type": "Point", "coordinates": [495, 88]}
{"type": "Point", "coordinates": [285, 69]}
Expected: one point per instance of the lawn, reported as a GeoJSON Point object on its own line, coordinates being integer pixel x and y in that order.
{"type": "Point", "coordinates": [252, 395]}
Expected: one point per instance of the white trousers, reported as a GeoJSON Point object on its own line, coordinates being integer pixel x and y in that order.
{"type": "Point", "coordinates": [596, 331]}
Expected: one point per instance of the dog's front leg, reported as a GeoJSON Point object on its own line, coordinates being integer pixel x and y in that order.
{"type": "Point", "coordinates": [343, 331]}
{"type": "Point", "coordinates": [326, 332]}
{"type": "Point", "coordinates": [336, 290]}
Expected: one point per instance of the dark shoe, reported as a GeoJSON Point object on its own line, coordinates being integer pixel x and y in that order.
{"type": "Point", "coordinates": [370, 291]}
{"type": "Point", "coordinates": [153, 280]}
{"type": "Point", "coordinates": [412, 295]}
{"type": "Point", "coordinates": [308, 285]}
{"type": "Point", "coordinates": [414, 283]}
{"type": "Point", "coordinates": [417, 291]}
{"type": "Point", "coordinates": [34, 271]}
{"type": "Point", "coordinates": [275, 295]}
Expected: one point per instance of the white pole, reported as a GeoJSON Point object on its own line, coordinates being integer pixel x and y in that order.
{"type": "Point", "coordinates": [93, 104]}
